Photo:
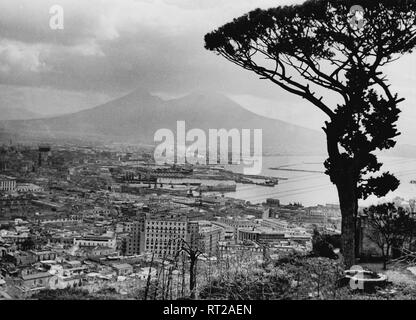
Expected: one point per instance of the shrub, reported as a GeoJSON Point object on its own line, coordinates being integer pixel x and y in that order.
{"type": "Point", "coordinates": [291, 277]}
{"type": "Point", "coordinates": [324, 245]}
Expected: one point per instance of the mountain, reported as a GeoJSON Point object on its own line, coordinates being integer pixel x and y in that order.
{"type": "Point", "coordinates": [135, 118]}
{"type": "Point", "coordinates": [16, 113]}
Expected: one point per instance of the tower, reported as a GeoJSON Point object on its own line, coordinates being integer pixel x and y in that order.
{"type": "Point", "coordinates": [43, 154]}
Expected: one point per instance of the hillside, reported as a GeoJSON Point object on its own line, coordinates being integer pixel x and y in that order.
{"type": "Point", "coordinates": [135, 118]}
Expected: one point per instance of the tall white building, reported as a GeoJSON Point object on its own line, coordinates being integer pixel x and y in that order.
{"type": "Point", "coordinates": [164, 235]}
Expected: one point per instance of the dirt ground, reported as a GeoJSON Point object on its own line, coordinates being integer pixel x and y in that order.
{"type": "Point", "coordinates": [397, 274]}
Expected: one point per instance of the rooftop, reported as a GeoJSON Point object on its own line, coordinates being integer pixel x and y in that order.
{"type": "Point", "coordinates": [4, 177]}
{"type": "Point", "coordinates": [122, 266]}
{"type": "Point", "coordinates": [36, 276]}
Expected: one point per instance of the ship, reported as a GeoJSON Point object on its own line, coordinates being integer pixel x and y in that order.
{"type": "Point", "coordinates": [267, 183]}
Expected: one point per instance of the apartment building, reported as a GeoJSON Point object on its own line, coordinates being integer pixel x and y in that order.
{"type": "Point", "coordinates": [206, 236]}
{"type": "Point", "coordinates": [163, 234]}
{"type": "Point", "coordinates": [135, 239]}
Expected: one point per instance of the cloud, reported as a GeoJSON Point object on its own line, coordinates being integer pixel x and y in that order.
{"type": "Point", "coordinates": [18, 57]}
{"type": "Point", "coordinates": [121, 44]}
{"type": "Point", "coordinates": [113, 46]}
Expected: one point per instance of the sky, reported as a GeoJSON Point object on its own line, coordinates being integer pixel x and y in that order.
{"type": "Point", "coordinates": [110, 47]}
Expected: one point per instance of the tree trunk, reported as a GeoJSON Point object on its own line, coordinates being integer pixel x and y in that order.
{"type": "Point", "coordinates": [192, 275]}
{"type": "Point", "coordinates": [343, 174]}
{"type": "Point", "coordinates": [386, 257]}
{"type": "Point", "coordinates": [348, 204]}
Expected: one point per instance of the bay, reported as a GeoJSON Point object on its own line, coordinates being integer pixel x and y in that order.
{"type": "Point", "coordinates": [310, 186]}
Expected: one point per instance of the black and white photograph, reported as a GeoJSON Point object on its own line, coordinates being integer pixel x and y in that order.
{"type": "Point", "coordinates": [226, 151]}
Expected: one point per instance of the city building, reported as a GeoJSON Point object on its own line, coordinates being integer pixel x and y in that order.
{"type": "Point", "coordinates": [36, 281]}
{"type": "Point", "coordinates": [28, 187]}
{"type": "Point", "coordinates": [259, 235]}
{"type": "Point", "coordinates": [42, 255]}
{"type": "Point", "coordinates": [206, 236]}
{"type": "Point", "coordinates": [123, 269]}
{"type": "Point", "coordinates": [275, 224]}
{"type": "Point", "coordinates": [165, 234]}
{"type": "Point", "coordinates": [44, 152]}
{"type": "Point", "coordinates": [134, 242]}
{"type": "Point", "coordinates": [95, 241]}
{"type": "Point", "coordinates": [273, 202]}
{"type": "Point", "coordinates": [7, 183]}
